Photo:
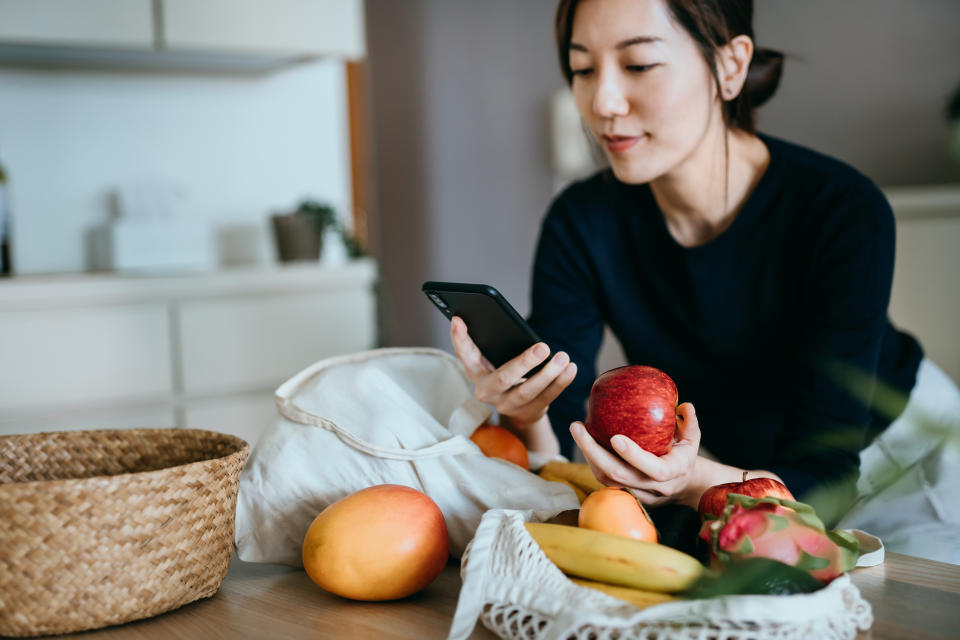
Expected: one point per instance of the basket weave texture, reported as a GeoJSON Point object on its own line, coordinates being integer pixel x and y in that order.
{"type": "Point", "coordinates": [104, 527]}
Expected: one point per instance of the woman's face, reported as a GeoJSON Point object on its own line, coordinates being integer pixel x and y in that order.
{"type": "Point", "coordinates": [641, 86]}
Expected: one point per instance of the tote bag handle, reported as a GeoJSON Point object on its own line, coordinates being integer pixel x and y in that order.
{"type": "Point", "coordinates": [454, 445]}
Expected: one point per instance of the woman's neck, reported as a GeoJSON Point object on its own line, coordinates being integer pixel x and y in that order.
{"type": "Point", "coordinates": [701, 198]}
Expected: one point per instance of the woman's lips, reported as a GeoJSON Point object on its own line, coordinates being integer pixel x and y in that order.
{"type": "Point", "coordinates": [619, 144]}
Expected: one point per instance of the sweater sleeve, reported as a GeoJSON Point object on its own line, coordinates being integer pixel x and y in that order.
{"type": "Point", "coordinates": [844, 314]}
{"type": "Point", "coordinates": [565, 312]}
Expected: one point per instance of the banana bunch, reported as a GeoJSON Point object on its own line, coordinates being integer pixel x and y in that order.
{"type": "Point", "coordinates": [615, 560]}
{"type": "Point", "coordinates": [575, 475]}
{"type": "Point", "coordinates": [639, 598]}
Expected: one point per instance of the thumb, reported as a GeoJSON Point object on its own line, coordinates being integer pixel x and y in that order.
{"type": "Point", "coordinates": [688, 427]}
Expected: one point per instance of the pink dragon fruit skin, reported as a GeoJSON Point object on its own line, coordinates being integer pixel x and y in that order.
{"type": "Point", "coordinates": [782, 530]}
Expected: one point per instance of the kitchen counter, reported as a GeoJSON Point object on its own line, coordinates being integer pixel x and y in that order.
{"type": "Point", "coordinates": [911, 597]}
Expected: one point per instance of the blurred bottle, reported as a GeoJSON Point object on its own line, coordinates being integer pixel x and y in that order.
{"type": "Point", "coordinates": [6, 268]}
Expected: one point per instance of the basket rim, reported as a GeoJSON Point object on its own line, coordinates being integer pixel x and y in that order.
{"type": "Point", "coordinates": [243, 448]}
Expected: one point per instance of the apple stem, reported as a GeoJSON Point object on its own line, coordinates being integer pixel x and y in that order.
{"type": "Point", "coordinates": [745, 476]}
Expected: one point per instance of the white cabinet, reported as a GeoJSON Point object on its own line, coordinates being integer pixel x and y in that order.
{"type": "Point", "coordinates": [332, 27]}
{"type": "Point", "coordinates": [926, 288]}
{"type": "Point", "coordinates": [83, 356]}
{"type": "Point", "coordinates": [257, 342]}
{"type": "Point", "coordinates": [203, 35]}
{"type": "Point", "coordinates": [112, 23]}
{"type": "Point", "coordinates": [204, 351]}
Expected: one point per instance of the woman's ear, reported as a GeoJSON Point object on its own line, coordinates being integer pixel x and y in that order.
{"type": "Point", "coordinates": [733, 60]}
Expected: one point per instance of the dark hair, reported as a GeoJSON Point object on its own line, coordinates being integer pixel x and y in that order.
{"type": "Point", "coordinates": [711, 24]}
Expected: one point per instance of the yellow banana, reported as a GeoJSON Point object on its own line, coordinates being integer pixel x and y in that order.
{"type": "Point", "coordinates": [577, 473]}
{"type": "Point", "coordinates": [639, 598]}
{"type": "Point", "coordinates": [581, 496]}
{"type": "Point", "coordinates": [604, 557]}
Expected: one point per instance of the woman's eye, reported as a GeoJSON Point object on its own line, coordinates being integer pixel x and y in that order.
{"type": "Point", "coordinates": [581, 72]}
{"type": "Point", "coordinates": [640, 68]}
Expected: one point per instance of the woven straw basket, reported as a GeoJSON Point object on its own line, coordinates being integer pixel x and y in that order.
{"type": "Point", "coordinates": [103, 527]}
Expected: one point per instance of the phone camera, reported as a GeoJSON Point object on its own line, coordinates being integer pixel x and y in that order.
{"type": "Point", "coordinates": [438, 300]}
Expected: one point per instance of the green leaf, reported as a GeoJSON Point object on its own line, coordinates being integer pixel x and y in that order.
{"type": "Point", "coordinates": [805, 513]}
{"type": "Point", "coordinates": [808, 562]}
{"type": "Point", "coordinates": [746, 545]}
{"type": "Point", "coordinates": [849, 547]}
{"type": "Point", "coordinates": [779, 522]}
{"type": "Point", "coordinates": [809, 518]}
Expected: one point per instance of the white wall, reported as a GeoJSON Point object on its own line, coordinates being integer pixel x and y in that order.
{"type": "Point", "coordinates": [866, 81]}
{"type": "Point", "coordinates": [460, 102]}
{"type": "Point", "coordinates": [242, 146]}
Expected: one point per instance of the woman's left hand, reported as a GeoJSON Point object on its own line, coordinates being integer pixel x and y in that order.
{"type": "Point", "coordinates": [654, 480]}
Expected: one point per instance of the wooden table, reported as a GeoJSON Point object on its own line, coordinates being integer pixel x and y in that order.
{"type": "Point", "coordinates": [911, 598]}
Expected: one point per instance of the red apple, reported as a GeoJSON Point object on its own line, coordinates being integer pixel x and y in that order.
{"type": "Point", "coordinates": [714, 499]}
{"type": "Point", "coordinates": [636, 401]}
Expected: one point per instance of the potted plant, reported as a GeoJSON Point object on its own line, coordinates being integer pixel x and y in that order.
{"type": "Point", "coordinates": [299, 234]}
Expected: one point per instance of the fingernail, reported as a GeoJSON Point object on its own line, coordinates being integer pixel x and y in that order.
{"type": "Point", "coordinates": [619, 442]}
{"type": "Point", "coordinates": [561, 358]}
{"type": "Point", "coordinates": [576, 429]}
{"type": "Point", "coordinates": [541, 350]}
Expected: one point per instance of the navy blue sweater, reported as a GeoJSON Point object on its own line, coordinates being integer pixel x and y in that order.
{"type": "Point", "coordinates": [774, 330]}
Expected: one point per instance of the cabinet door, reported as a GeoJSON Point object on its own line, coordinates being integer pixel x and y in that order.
{"type": "Point", "coordinates": [84, 357]}
{"type": "Point", "coordinates": [926, 293]}
{"type": "Point", "coordinates": [122, 23]}
{"type": "Point", "coordinates": [297, 27]}
{"type": "Point", "coordinates": [255, 343]}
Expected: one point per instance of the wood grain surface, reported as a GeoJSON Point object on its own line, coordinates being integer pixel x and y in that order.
{"type": "Point", "coordinates": [911, 598]}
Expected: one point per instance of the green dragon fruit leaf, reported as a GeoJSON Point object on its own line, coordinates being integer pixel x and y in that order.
{"type": "Point", "coordinates": [849, 547]}
{"type": "Point", "coordinates": [746, 545]}
{"type": "Point", "coordinates": [779, 522]}
{"type": "Point", "coordinates": [805, 513]}
{"type": "Point", "coordinates": [808, 562]}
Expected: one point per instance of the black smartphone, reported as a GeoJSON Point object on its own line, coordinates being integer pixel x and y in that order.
{"type": "Point", "coordinates": [496, 328]}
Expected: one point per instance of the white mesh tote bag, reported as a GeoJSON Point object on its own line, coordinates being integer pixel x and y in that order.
{"type": "Point", "coordinates": [511, 586]}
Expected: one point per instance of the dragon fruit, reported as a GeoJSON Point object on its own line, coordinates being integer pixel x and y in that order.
{"type": "Point", "coordinates": [782, 530]}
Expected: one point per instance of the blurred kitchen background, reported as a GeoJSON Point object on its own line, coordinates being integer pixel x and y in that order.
{"type": "Point", "coordinates": [154, 150]}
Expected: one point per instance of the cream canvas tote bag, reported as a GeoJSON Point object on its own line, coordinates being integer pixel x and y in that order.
{"type": "Point", "coordinates": [387, 416]}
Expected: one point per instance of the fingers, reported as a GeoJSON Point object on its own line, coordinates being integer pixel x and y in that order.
{"type": "Point", "coordinates": [657, 468]}
{"type": "Point", "coordinates": [688, 427]}
{"type": "Point", "coordinates": [649, 498]}
{"type": "Point", "coordinates": [559, 383]}
{"type": "Point", "coordinates": [468, 353]}
{"type": "Point", "coordinates": [672, 465]}
{"type": "Point", "coordinates": [677, 461]}
{"type": "Point", "coordinates": [544, 387]}
{"type": "Point", "coordinates": [607, 467]}
{"type": "Point", "coordinates": [511, 373]}
{"type": "Point", "coordinates": [491, 386]}
{"type": "Point", "coordinates": [658, 479]}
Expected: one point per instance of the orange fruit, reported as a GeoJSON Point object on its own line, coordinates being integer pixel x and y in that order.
{"type": "Point", "coordinates": [497, 442]}
{"type": "Point", "coordinates": [615, 510]}
{"type": "Point", "coordinates": [380, 543]}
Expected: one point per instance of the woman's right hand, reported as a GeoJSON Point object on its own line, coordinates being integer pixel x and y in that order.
{"type": "Point", "coordinates": [523, 402]}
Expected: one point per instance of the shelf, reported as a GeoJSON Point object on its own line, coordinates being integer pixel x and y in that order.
{"type": "Point", "coordinates": [80, 290]}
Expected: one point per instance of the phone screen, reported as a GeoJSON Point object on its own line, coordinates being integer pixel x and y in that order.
{"type": "Point", "coordinates": [496, 328]}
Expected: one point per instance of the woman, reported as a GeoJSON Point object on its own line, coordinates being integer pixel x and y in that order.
{"type": "Point", "coordinates": [754, 272]}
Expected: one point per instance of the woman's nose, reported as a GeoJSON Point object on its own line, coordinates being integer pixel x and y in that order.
{"type": "Point", "coordinates": [610, 99]}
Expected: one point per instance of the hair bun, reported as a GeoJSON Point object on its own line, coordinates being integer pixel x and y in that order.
{"type": "Point", "coordinates": [763, 76]}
